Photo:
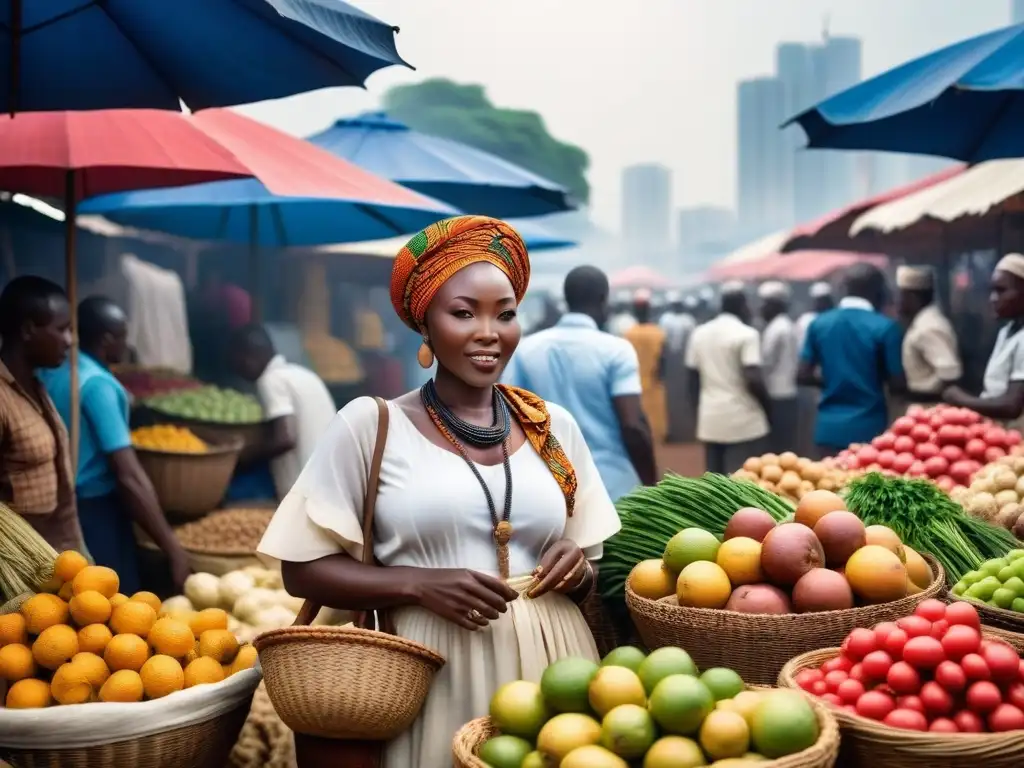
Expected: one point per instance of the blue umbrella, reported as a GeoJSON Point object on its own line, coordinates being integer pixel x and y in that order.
{"type": "Point", "coordinates": [468, 178]}
{"type": "Point", "coordinates": [965, 101]}
{"type": "Point", "coordinates": [84, 54]}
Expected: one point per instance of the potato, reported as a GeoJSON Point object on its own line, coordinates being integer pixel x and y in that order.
{"type": "Point", "coordinates": [1008, 516]}
{"type": "Point", "coordinates": [1006, 497]}
{"type": "Point", "coordinates": [1005, 480]}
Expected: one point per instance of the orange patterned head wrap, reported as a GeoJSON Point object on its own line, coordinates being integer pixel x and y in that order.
{"type": "Point", "coordinates": [430, 258]}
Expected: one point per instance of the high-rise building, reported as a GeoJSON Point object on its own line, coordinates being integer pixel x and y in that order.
{"type": "Point", "coordinates": [704, 232]}
{"type": "Point", "coordinates": [763, 161]}
{"type": "Point", "coordinates": [647, 211]}
{"type": "Point", "coordinates": [1017, 11]}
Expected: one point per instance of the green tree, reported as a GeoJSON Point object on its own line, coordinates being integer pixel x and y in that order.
{"type": "Point", "coordinates": [464, 113]}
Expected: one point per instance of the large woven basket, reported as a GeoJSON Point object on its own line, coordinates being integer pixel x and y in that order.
{"type": "Point", "coordinates": [249, 434]}
{"type": "Point", "coordinates": [191, 484]}
{"type": "Point", "coordinates": [870, 744]}
{"type": "Point", "coordinates": [823, 754]}
{"type": "Point", "coordinates": [757, 646]}
{"type": "Point", "coordinates": [346, 682]}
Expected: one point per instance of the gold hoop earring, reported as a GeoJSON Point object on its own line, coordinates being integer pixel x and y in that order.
{"type": "Point", "coordinates": [425, 355]}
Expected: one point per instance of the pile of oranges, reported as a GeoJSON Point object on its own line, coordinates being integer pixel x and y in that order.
{"type": "Point", "coordinates": [88, 642]}
{"type": "Point", "coordinates": [168, 437]}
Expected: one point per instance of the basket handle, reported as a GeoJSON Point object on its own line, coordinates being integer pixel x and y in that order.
{"type": "Point", "coordinates": [364, 619]}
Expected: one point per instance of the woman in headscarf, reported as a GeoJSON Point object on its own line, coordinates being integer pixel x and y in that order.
{"type": "Point", "coordinates": [1002, 396]}
{"type": "Point", "coordinates": [490, 511]}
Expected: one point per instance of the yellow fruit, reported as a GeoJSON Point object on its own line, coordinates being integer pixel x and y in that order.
{"type": "Point", "coordinates": [133, 618]}
{"type": "Point", "coordinates": [68, 564]}
{"type": "Point", "coordinates": [203, 670]}
{"type": "Point", "coordinates": [12, 629]}
{"type": "Point", "coordinates": [740, 558]}
{"type": "Point", "coordinates": [43, 611]}
{"type": "Point", "coordinates": [53, 585]}
{"type": "Point", "coordinates": [124, 686]}
{"type": "Point", "coordinates": [244, 659]}
{"type": "Point", "coordinates": [55, 646]}
{"type": "Point", "coordinates": [90, 607]}
{"type": "Point", "coordinates": [703, 585]}
{"type": "Point", "coordinates": [219, 644]}
{"type": "Point", "coordinates": [97, 578]}
{"type": "Point", "coordinates": [192, 655]}
{"type": "Point", "coordinates": [126, 652]}
{"type": "Point", "coordinates": [29, 694]}
{"type": "Point", "coordinates": [66, 591]}
{"type": "Point", "coordinates": [94, 638]}
{"type": "Point", "coordinates": [149, 599]}
{"type": "Point", "coordinates": [118, 599]}
{"type": "Point", "coordinates": [209, 618]}
{"type": "Point", "coordinates": [70, 685]}
{"type": "Point", "coordinates": [171, 638]}
{"type": "Point", "coordinates": [93, 666]}
{"type": "Point", "coordinates": [162, 675]}
{"type": "Point", "coordinates": [652, 579]}
{"type": "Point", "coordinates": [16, 662]}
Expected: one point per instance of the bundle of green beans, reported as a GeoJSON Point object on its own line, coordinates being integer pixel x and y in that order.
{"type": "Point", "coordinates": [928, 520]}
{"type": "Point", "coordinates": [652, 515]}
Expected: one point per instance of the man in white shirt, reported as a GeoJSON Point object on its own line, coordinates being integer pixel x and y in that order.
{"type": "Point", "coordinates": [931, 359]}
{"type": "Point", "coordinates": [780, 359]}
{"type": "Point", "coordinates": [295, 401]}
{"type": "Point", "coordinates": [724, 356]}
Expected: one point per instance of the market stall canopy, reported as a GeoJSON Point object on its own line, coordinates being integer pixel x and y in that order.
{"type": "Point", "coordinates": [964, 102]}
{"type": "Point", "coordinates": [81, 54]}
{"type": "Point", "coordinates": [974, 192]}
{"type": "Point", "coordinates": [640, 277]}
{"type": "Point", "coordinates": [805, 266]}
{"type": "Point", "coordinates": [468, 178]}
{"type": "Point", "coordinates": [768, 245]}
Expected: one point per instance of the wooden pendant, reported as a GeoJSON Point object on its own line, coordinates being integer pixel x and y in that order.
{"type": "Point", "coordinates": [502, 536]}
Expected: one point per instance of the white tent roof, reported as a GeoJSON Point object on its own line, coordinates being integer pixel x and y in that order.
{"type": "Point", "coordinates": [970, 193]}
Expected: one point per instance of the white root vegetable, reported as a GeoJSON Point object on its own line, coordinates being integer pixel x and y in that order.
{"type": "Point", "coordinates": [177, 604]}
{"type": "Point", "coordinates": [1006, 497]}
{"type": "Point", "coordinates": [1005, 480]}
{"type": "Point", "coordinates": [234, 585]}
{"type": "Point", "coordinates": [1008, 516]}
{"type": "Point", "coordinates": [203, 590]}
{"type": "Point", "coordinates": [982, 505]}
{"type": "Point", "coordinates": [273, 618]}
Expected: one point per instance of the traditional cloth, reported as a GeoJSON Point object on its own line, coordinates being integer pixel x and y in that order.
{"type": "Point", "coordinates": [1012, 263]}
{"type": "Point", "coordinates": [914, 279]}
{"type": "Point", "coordinates": [431, 257]}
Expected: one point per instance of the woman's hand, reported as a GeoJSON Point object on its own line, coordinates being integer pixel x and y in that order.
{"type": "Point", "coordinates": [563, 569]}
{"type": "Point", "coordinates": [467, 598]}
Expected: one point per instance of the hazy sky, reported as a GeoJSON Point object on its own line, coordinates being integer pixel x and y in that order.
{"type": "Point", "coordinates": [647, 80]}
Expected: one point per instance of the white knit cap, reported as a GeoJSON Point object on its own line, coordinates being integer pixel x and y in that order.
{"type": "Point", "coordinates": [1012, 263]}
{"type": "Point", "coordinates": [732, 287]}
{"type": "Point", "coordinates": [642, 296]}
{"type": "Point", "coordinates": [914, 278]}
{"type": "Point", "coordinates": [773, 289]}
{"type": "Point", "coordinates": [820, 290]}
{"type": "Point", "coordinates": [691, 302]}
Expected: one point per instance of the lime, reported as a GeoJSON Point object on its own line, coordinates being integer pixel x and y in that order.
{"type": "Point", "coordinates": [628, 731]}
{"type": "Point", "coordinates": [1003, 598]}
{"type": "Point", "coordinates": [984, 589]}
{"type": "Point", "coordinates": [663, 662]}
{"type": "Point", "coordinates": [723, 683]}
{"type": "Point", "coordinates": [972, 577]}
{"type": "Point", "coordinates": [1018, 568]}
{"type": "Point", "coordinates": [628, 656]}
{"type": "Point", "coordinates": [959, 588]}
{"type": "Point", "coordinates": [724, 734]}
{"type": "Point", "coordinates": [783, 723]}
{"type": "Point", "coordinates": [533, 760]}
{"type": "Point", "coordinates": [518, 709]}
{"type": "Point", "coordinates": [674, 752]}
{"type": "Point", "coordinates": [505, 751]}
{"type": "Point", "coordinates": [993, 567]}
{"type": "Point", "coordinates": [565, 684]}
{"type": "Point", "coordinates": [1017, 605]}
{"type": "Point", "coordinates": [1015, 583]}
{"type": "Point", "coordinates": [1015, 555]}
{"type": "Point", "coordinates": [689, 546]}
{"type": "Point", "coordinates": [1006, 573]}
{"type": "Point", "coordinates": [679, 704]}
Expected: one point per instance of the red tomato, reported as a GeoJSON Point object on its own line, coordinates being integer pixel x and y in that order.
{"type": "Point", "coordinates": [936, 699]}
{"type": "Point", "coordinates": [917, 469]}
{"type": "Point", "coordinates": [952, 434]}
{"type": "Point", "coordinates": [983, 697]}
{"type": "Point", "coordinates": [886, 457]}
{"type": "Point", "coordinates": [884, 441]}
{"type": "Point", "coordinates": [975, 431]}
{"type": "Point", "coordinates": [915, 626]}
{"type": "Point", "coordinates": [994, 454]}
{"type": "Point", "coordinates": [1003, 661]}
{"type": "Point", "coordinates": [917, 412]}
{"type": "Point", "coordinates": [834, 678]}
{"type": "Point", "coordinates": [1021, 675]}
{"type": "Point", "coordinates": [932, 609]}
{"type": "Point", "coordinates": [850, 691]}
{"type": "Point", "coordinates": [907, 719]}
{"type": "Point", "coordinates": [882, 630]}
{"type": "Point", "coordinates": [1012, 438]}
{"type": "Point", "coordinates": [995, 437]}
{"type": "Point", "coordinates": [903, 444]}
{"type": "Point", "coordinates": [862, 642]}
{"type": "Point", "coordinates": [961, 612]}
{"type": "Point", "coordinates": [806, 678]}
{"type": "Point", "coordinates": [950, 676]}
{"type": "Point", "coordinates": [921, 434]}
{"type": "Point", "coordinates": [923, 652]}
{"type": "Point", "coordinates": [895, 641]}
{"type": "Point", "coordinates": [910, 702]}
{"type": "Point", "coordinates": [832, 698]}
{"type": "Point", "coordinates": [1015, 695]}
{"type": "Point", "coordinates": [968, 722]}
{"type": "Point", "coordinates": [1006, 717]}
{"type": "Point", "coordinates": [936, 466]}
{"type": "Point", "coordinates": [876, 665]}
{"type": "Point", "coordinates": [903, 462]}
{"type": "Point", "coordinates": [857, 673]}
{"type": "Point", "coordinates": [952, 453]}
{"type": "Point", "coordinates": [945, 483]}
{"type": "Point", "coordinates": [818, 688]}
{"type": "Point", "coordinates": [962, 471]}
{"type": "Point", "coordinates": [903, 678]}
{"type": "Point", "coordinates": [976, 449]}
{"type": "Point", "coordinates": [975, 668]}
{"type": "Point", "coordinates": [875, 705]}
{"type": "Point", "coordinates": [867, 455]}
{"type": "Point", "coordinates": [832, 664]}
{"type": "Point", "coordinates": [902, 426]}
{"type": "Point", "coordinates": [940, 627]}
{"type": "Point", "coordinates": [943, 725]}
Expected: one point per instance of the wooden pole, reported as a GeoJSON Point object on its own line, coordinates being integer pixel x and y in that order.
{"type": "Point", "coordinates": [71, 281]}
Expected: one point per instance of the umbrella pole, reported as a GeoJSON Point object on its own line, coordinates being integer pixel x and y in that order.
{"type": "Point", "coordinates": [72, 288]}
{"type": "Point", "coordinates": [255, 267]}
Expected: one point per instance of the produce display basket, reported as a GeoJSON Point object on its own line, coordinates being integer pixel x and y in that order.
{"type": "Point", "coordinates": [346, 682]}
{"type": "Point", "coordinates": [996, 617]}
{"type": "Point", "coordinates": [248, 434]}
{"type": "Point", "coordinates": [757, 646]}
{"type": "Point", "coordinates": [870, 744]}
{"type": "Point", "coordinates": [823, 754]}
{"type": "Point", "coordinates": [189, 485]}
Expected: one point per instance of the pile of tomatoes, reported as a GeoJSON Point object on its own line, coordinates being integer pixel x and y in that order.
{"type": "Point", "coordinates": [931, 671]}
{"type": "Point", "coordinates": [944, 443]}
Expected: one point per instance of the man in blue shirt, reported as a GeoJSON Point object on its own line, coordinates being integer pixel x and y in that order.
{"type": "Point", "coordinates": [111, 487]}
{"type": "Point", "coordinates": [853, 353]}
{"type": "Point", "coordinates": [596, 377]}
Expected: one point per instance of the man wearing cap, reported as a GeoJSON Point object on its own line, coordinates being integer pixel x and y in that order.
{"type": "Point", "coordinates": [678, 323]}
{"type": "Point", "coordinates": [779, 359]}
{"type": "Point", "coordinates": [649, 342]}
{"type": "Point", "coordinates": [821, 301]}
{"type": "Point", "coordinates": [724, 357]}
{"type": "Point", "coordinates": [931, 360]}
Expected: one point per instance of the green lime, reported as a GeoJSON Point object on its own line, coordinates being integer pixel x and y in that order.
{"type": "Point", "coordinates": [505, 751]}
{"type": "Point", "coordinates": [628, 656]}
{"type": "Point", "coordinates": [663, 662]}
{"type": "Point", "coordinates": [1017, 605]}
{"type": "Point", "coordinates": [1003, 598]}
{"type": "Point", "coordinates": [565, 684]}
{"type": "Point", "coordinates": [1006, 573]}
{"type": "Point", "coordinates": [628, 731]}
{"type": "Point", "coordinates": [679, 704]}
{"type": "Point", "coordinates": [689, 546]}
{"type": "Point", "coordinates": [959, 588]}
{"type": "Point", "coordinates": [723, 683]}
{"type": "Point", "coordinates": [1016, 584]}
{"type": "Point", "coordinates": [1015, 555]}
{"type": "Point", "coordinates": [985, 588]}
{"type": "Point", "coordinates": [784, 723]}
{"type": "Point", "coordinates": [972, 577]}
{"type": "Point", "coordinates": [993, 567]}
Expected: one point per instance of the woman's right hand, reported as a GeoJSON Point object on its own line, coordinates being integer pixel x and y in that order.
{"type": "Point", "coordinates": [467, 598]}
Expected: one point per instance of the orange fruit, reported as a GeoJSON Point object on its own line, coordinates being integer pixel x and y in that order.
{"type": "Point", "coordinates": [118, 599]}
{"type": "Point", "coordinates": [133, 618]}
{"type": "Point", "coordinates": [208, 618]}
{"type": "Point", "coordinates": [149, 599]}
{"type": "Point", "coordinates": [192, 655]}
{"type": "Point", "coordinates": [123, 686]}
{"type": "Point", "coordinates": [29, 694]}
{"type": "Point", "coordinates": [55, 646]}
{"type": "Point", "coordinates": [96, 578]}
{"type": "Point", "coordinates": [203, 670]}
{"type": "Point", "coordinates": [16, 662]}
{"type": "Point", "coordinates": [94, 638]}
{"type": "Point", "coordinates": [244, 659]}
{"type": "Point", "coordinates": [70, 685]}
{"type": "Point", "coordinates": [94, 668]}
{"type": "Point", "coordinates": [89, 607]}
{"type": "Point", "coordinates": [219, 644]}
{"type": "Point", "coordinates": [12, 629]}
{"type": "Point", "coordinates": [126, 652]}
{"type": "Point", "coordinates": [68, 564]}
{"type": "Point", "coordinates": [66, 591]}
{"type": "Point", "coordinates": [43, 611]}
{"type": "Point", "coordinates": [162, 675]}
{"type": "Point", "coordinates": [52, 585]}
{"type": "Point", "coordinates": [171, 637]}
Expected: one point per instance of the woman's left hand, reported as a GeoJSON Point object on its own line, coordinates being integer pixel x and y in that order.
{"type": "Point", "coordinates": [562, 569]}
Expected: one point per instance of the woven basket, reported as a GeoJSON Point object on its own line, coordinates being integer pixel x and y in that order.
{"type": "Point", "coordinates": [869, 744]}
{"type": "Point", "coordinates": [757, 646]}
{"type": "Point", "coordinates": [249, 434]}
{"type": "Point", "coordinates": [346, 682]}
{"type": "Point", "coordinates": [189, 485]}
{"type": "Point", "coordinates": [470, 737]}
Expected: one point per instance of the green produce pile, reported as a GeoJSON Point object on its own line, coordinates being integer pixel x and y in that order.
{"type": "Point", "coordinates": [211, 404]}
{"type": "Point", "coordinates": [999, 582]}
{"type": "Point", "coordinates": [928, 520]}
{"type": "Point", "coordinates": [652, 515]}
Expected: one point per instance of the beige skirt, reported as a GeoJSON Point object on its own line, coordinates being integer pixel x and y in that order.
{"type": "Point", "coordinates": [518, 646]}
